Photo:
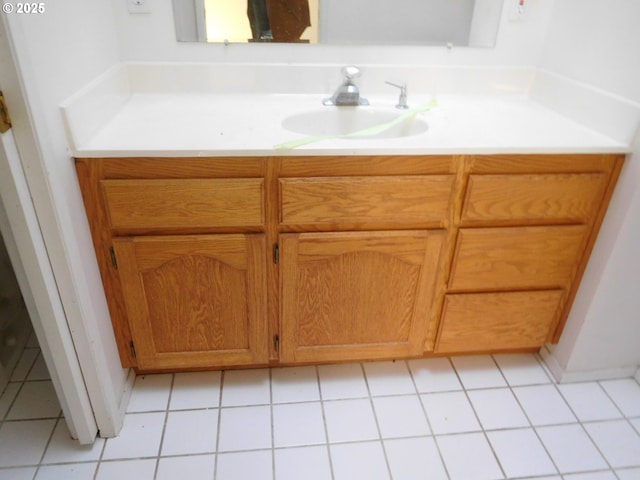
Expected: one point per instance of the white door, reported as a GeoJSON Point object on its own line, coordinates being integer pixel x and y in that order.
{"type": "Point", "coordinates": [28, 254]}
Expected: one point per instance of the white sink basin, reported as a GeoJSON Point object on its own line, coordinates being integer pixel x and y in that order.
{"type": "Point", "coordinates": [356, 122]}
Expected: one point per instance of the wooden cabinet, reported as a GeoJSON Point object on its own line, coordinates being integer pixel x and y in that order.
{"type": "Point", "coordinates": [354, 295]}
{"type": "Point", "coordinates": [194, 301]}
{"type": "Point", "coordinates": [527, 225]}
{"type": "Point", "coordinates": [360, 254]}
{"type": "Point", "coordinates": [181, 245]}
{"type": "Point", "coordinates": [248, 261]}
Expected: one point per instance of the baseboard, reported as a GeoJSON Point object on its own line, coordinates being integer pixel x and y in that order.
{"type": "Point", "coordinates": [552, 363]}
{"type": "Point", "coordinates": [126, 394]}
{"type": "Point", "coordinates": [563, 376]}
{"type": "Point", "coordinates": [124, 404]}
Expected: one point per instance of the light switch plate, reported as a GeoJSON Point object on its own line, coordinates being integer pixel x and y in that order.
{"type": "Point", "coordinates": [139, 6]}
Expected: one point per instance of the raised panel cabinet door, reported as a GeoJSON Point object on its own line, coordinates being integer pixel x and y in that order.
{"type": "Point", "coordinates": [355, 296]}
{"type": "Point", "coordinates": [195, 301]}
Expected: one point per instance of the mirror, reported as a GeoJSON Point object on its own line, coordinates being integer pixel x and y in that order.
{"type": "Point", "coordinates": [345, 22]}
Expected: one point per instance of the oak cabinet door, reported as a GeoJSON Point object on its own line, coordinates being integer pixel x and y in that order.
{"type": "Point", "coordinates": [354, 296]}
{"type": "Point", "coordinates": [195, 301]}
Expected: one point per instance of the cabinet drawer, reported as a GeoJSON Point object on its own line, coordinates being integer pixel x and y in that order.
{"type": "Point", "coordinates": [191, 203]}
{"type": "Point", "coordinates": [512, 258]}
{"type": "Point", "coordinates": [556, 197]}
{"type": "Point", "coordinates": [415, 200]}
{"type": "Point", "coordinates": [493, 321]}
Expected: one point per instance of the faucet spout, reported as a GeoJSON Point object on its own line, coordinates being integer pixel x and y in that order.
{"type": "Point", "coordinates": [348, 93]}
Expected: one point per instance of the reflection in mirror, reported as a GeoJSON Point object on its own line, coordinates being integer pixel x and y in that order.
{"type": "Point", "coordinates": [347, 22]}
{"type": "Point", "coordinates": [241, 21]}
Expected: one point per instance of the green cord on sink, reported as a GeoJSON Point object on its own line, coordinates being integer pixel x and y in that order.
{"type": "Point", "coordinates": [366, 132]}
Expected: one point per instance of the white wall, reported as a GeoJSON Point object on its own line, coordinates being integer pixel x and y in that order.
{"type": "Point", "coordinates": [58, 52]}
{"type": "Point", "coordinates": [598, 43]}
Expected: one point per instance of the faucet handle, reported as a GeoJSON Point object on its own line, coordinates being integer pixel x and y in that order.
{"type": "Point", "coordinates": [402, 100]}
{"type": "Point", "coordinates": [350, 72]}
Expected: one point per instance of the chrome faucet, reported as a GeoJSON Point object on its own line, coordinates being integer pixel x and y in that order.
{"type": "Point", "coordinates": [347, 94]}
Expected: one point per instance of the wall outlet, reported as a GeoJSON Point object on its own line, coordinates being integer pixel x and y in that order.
{"type": "Point", "coordinates": [139, 6]}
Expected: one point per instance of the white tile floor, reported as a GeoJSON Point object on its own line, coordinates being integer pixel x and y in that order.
{"type": "Point", "coordinates": [465, 418]}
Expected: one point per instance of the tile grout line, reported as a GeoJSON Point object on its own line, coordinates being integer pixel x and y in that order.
{"type": "Point", "coordinates": [164, 426]}
{"type": "Point", "coordinates": [324, 422]}
{"type": "Point", "coordinates": [273, 439]}
{"type": "Point", "coordinates": [375, 418]}
{"type": "Point", "coordinates": [219, 426]}
{"type": "Point", "coordinates": [578, 420]}
{"type": "Point", "coordinates": [544, 366]}
{"type": "Point", "coordinates": [526, 415]}
{"type": "Point", "coordinates": [100, 458]}
{"type": "Point", "coordinates": [626, 418]}
{"type": "Point", "coordinates": [5, 418]}
{"type": "Point", "coordinates": [44, 452]}
{"type": "Point", "coordinates": [21, 382]}
{"type": "Point", "coordinates": [371, 398]}
{"type": "Point", "coordinates": [623, 469]}
{"type": "Point", "coordinates": [424, 411]}
{"type": "Point", "coordinates": [475, 413]}
{"type": "Point", "coordinates": [615, 404]}
{"type": "Point", "coordinates": [584, 430]}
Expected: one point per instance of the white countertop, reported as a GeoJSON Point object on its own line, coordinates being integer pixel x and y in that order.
{"type": "Point", "coordinates": [147, 123]}
{"type": "Point", "coordinates": [220, 125]}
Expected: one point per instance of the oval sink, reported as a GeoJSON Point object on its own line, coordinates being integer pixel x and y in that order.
{"type": "Point", "coordinates": [356, 122]}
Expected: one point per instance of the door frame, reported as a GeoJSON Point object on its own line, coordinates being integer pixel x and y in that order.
{"type": "Point", "coordinates": [87, 412]}
{"type": "Point", "coordinates": [21, 232]}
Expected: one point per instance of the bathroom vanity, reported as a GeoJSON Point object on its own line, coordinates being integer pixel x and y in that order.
{"type": "Point", "coordinates": [219, 249]}
{"type": "Point", "coordinates": [246, 261]}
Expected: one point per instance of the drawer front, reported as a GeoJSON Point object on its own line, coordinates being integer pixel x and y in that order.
{"type": "Point", "coordinates": [479, 322]}
{"type": "Point", "coordinates": [415, 200]}
{"type": "Point", "coordinates": [184, 204]}
{"type": "Point", "coordinates": [512, 258]}
{"type": "Point", "coordinates": [557, 197]}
